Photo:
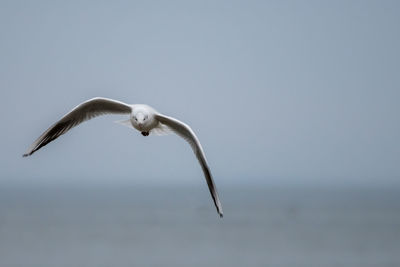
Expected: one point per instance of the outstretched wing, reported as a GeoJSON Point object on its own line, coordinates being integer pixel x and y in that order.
{"type": "Point", "coordinates": [186, 133]}
{"type": "Point", "coordinates": [83, 112]}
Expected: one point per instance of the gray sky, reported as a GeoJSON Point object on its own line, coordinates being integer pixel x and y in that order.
{"type": "Point", "coordinates": [277, 91]}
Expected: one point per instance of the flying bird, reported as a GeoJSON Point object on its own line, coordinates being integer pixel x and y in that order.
{"type": "Point", "coordinates": [143, 118]}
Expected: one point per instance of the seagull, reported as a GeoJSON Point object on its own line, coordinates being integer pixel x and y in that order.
{"type": "Point", "coordinates": [142, 117]}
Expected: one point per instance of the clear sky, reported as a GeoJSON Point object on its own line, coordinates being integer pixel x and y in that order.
{"type": "Point", "coordinates": [277, 91]}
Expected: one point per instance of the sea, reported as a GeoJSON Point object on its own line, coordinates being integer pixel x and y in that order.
{"type": "Point", "coordinates": [174, 225]}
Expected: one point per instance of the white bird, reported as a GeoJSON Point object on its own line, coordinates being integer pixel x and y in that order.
{"type": "Point", "coordinates": [141, 117]}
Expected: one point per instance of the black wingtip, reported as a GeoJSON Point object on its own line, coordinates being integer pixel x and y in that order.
{"type": "Point", "coordinates": [25, 155]}
{"type": "Point", "coordinates": [220, 214]}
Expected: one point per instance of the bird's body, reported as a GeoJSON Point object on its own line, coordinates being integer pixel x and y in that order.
{"type": "Point", "coordinates": [142, 117]}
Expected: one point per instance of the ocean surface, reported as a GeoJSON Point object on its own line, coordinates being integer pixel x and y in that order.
{"type": "Point", "coordinates": [178, 226]}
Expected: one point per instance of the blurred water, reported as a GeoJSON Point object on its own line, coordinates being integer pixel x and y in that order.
{"type": "Point", "coordinates": [170, 226]}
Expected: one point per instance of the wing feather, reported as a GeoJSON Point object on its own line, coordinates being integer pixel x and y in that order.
{"type": "Point", "coordinates": [184, 131]}
{"type": "Point", "coordinates": [83, 112]}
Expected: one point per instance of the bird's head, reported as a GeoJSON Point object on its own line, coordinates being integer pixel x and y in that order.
{"type": "Point", "coordinates": [140, 118]}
